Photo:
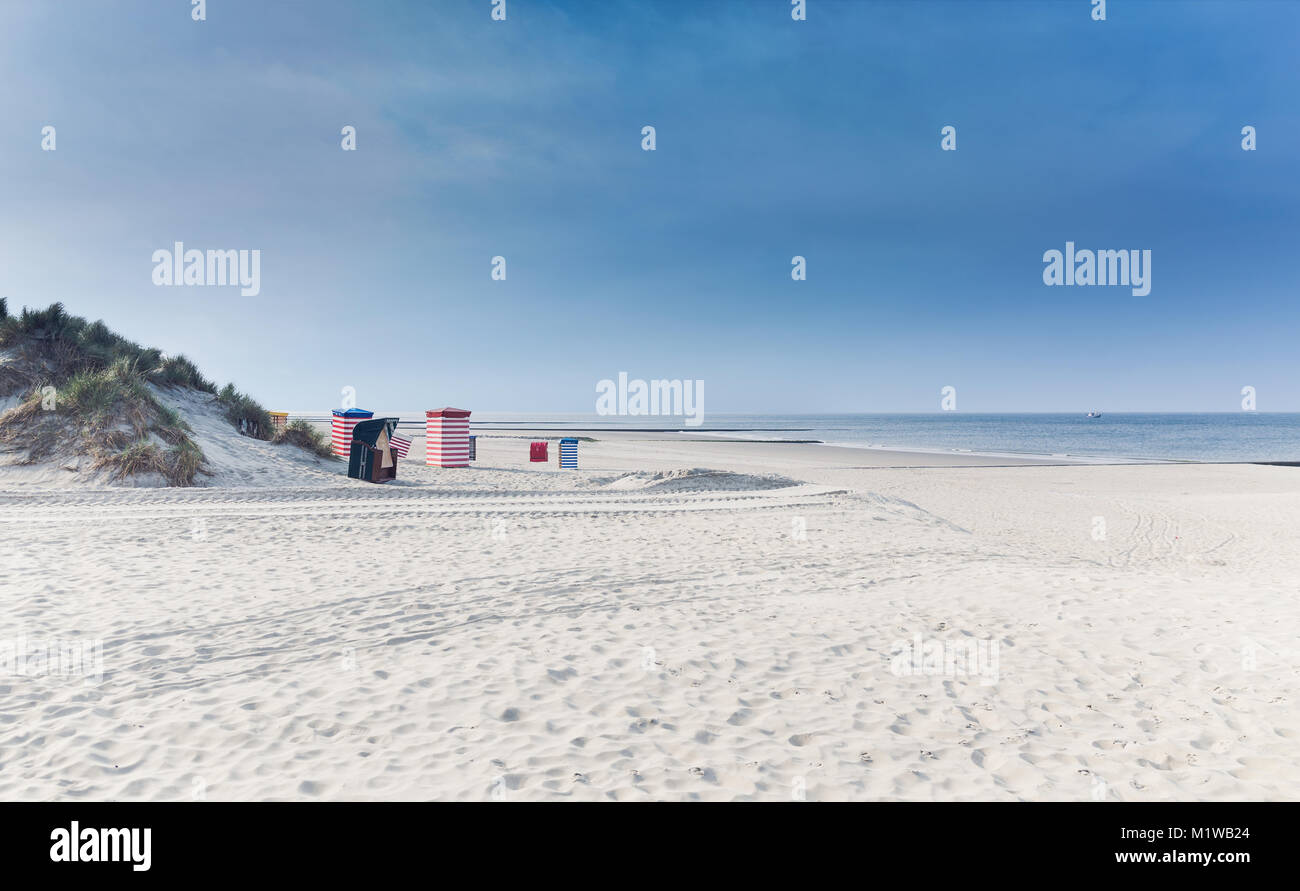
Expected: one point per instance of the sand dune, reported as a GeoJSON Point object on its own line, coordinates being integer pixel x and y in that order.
{"type": "Point", "coordinates": [644, 629]}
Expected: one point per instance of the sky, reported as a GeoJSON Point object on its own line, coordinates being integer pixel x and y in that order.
{"type": "Point", "coordinates": [775, 138]}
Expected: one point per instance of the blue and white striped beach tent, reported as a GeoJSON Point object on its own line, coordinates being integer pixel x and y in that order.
{"type": "Point", "coordinates": [569, 454]}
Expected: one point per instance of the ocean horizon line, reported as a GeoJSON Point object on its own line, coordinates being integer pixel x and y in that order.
{"type": "Point", "coordinates": [327, 413]}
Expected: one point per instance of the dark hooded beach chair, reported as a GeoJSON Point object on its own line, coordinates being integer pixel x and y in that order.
{"type": "Point", "coordinates": [372, 457]}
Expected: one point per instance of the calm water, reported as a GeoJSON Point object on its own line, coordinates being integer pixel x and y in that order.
{"type": "Point", "coordinates": [1239, 436]}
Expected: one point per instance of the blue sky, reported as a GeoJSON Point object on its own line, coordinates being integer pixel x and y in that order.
{"type": "Point", "coordinates": [775, 138]}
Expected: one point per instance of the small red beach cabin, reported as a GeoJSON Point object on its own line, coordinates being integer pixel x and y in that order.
{"type": "Point", "coordinates": [446, 437]}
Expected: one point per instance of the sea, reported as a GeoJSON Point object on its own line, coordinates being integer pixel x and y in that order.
{"type": "Point", "coordinates": [1223, 437]}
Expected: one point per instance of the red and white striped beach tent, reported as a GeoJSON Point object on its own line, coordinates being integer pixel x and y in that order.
{"type": "Point", "coordinates": [341, 428]}
{"type": "Point", "coordinates": [446, 437]}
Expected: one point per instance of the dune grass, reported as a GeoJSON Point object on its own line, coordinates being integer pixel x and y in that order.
{"type": "Point", "coordinates": [70, 344]}
{"type": "Point", "coordinates": [302, 434]}
{"type": "Point", "coordinates": [245, 414]}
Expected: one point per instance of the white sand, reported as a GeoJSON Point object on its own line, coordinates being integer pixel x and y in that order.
{"type": "Point", "coordinates": [512, 631]}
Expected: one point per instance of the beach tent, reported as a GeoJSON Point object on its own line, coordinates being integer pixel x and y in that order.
{"type": "Point", "coordinates": [537, 452]}
{"type": "Point", "coordinates": [568, 454]}
{"type": "Point", "coordinates": [371, 456]}
{"type": "Point", "coordinates": [446, 437]}
{"type": "Point", "coordinates": [341, 428]}
{"type": "Point", "coordinates": [473, 448]}
{"type": "Point", "coordinates": [278, 419]}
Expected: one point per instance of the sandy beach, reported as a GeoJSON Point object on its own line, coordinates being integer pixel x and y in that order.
{"type": "Point", "coordinates": [678, 619]}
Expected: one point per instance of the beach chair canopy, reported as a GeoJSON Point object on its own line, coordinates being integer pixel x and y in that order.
{"type": "Point", "coordinates": [370, 431]}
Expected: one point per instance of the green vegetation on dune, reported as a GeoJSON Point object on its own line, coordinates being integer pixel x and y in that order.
{"type": "Point", "coordinates": [70, 344]}
{"type": "Point", "coordinates": [302, 434]}
{"type": "Point", "coordinates": [102, 398]}
{"type": "Point", "coordinates": [244, 413]}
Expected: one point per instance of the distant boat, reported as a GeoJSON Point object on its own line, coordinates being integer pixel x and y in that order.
{"type": "Point", "coordinates": [1094, 414]}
